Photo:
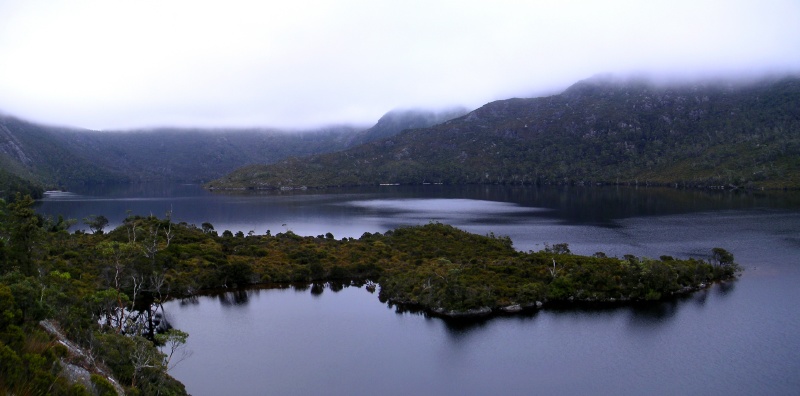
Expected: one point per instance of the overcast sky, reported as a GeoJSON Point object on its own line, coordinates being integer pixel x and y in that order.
{"type": "Point", "coordinates": [291, 63]}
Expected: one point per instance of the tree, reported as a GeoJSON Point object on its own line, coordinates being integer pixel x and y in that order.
{"type": "Point", "coordinates": [23, 231]}
{"type": "Point", "coordinates": [725, 267]}
{"type": "Point", "coordinates": [207, 228]}
{"type": "Point", "coordinates": [59, 224]}
{"type": "Point", "coordinates": [117, 274]}
{"type": "Point", "coordinates": [558, 248]}
{"type": "Point", "coordinates": [144, 356]}
{"type": "Point", "coordinates": [96, 223]}
{"type": "Point", "coordinates": [561, 248]}
{"type": "Point", "coordinates": [721, 256]}
{"type": "Point", "coordinates": [174, 342]}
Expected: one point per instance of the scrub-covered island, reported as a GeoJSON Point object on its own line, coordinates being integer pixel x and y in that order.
{"type": "Point", "coordinates": [81, 312]}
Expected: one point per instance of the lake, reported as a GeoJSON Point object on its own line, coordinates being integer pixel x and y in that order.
{"type": "Point", "coordinates": [737, 338]}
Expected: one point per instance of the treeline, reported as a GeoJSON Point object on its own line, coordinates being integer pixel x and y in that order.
{"type": "Point", "coordinates": [104, 289]}
{"type": "Point", "coordinates": [597, 131]}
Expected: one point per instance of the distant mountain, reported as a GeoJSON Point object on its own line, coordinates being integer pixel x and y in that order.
{"type": "Point", "coordinates": [397, 121]}
{"type": "Point", "coordinates": [597, 131]}
{"type": "Point", "coordinates": [35, 155]}
{"type": "Point", "coordinates": [196, 155]}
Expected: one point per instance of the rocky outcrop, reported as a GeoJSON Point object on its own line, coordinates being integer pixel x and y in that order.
{"type": "Point", "coordinates": [11, 147]}
{"type": "Point", "coordinates": [79, 365]}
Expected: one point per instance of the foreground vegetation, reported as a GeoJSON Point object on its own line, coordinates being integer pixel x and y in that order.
{"type": "Point", "coordinates": [103, 291]}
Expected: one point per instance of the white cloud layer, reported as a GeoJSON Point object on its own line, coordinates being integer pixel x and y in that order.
{"type": "Point", "coordinates": [125, 64]}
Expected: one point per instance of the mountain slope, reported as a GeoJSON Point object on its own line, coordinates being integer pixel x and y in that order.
{"type": "Point", "coordinates": [597, 131]}
{"type": "Point", "coordinates": [44, 155]}
{"type": "Point", "coordinates": [34, 153]}
{"type": "Point", "coordinates": [196, 155]}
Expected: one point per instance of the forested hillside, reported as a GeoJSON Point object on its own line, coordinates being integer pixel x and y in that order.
{"type": "Point", "coordinates": [196, 154]}
{"type": "Point", "coordinates": [34, 153]}
{"type": "Point", "coordinates": [33, 156]}
{"type": "Point", "coordinates": [597, 131]}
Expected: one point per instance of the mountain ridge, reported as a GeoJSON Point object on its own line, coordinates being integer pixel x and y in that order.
{"type": "Point", "coordinates": [692, 134]}
{"type": "Point", "coordinates": [58, 157]}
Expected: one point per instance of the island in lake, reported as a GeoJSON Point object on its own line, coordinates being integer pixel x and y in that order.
{"type": "Point", "coordinates": [99, 294]}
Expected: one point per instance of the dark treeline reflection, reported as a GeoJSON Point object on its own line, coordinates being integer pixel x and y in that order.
{"type": "Point", "coordinates": [317, 288]}
{"type": "Point", "coordinates": [643, 314]}
{"type": "Point", "coordinates": [583, 204]}
{"type": "Point", "coordinates": [236, 297]}
{"type": "Point", "coordinates": [602, 204]}
{"type": "Point", "coordinates": [243, 296]}
{"type": "Point", "coordinates": [342, 211]}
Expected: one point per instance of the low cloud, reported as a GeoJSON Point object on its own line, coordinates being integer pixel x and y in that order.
{"type": "Point", "coordinates": [107, 65]}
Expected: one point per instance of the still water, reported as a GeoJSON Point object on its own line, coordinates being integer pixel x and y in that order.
{"type": "Point", "coordinates": [738, 338]}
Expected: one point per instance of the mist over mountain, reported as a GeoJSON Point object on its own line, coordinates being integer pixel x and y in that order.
{"type": "Point", "coordinates": [34, 155]}
{"type": "Point", "coordinates": [396, 121]}
{"type": "Point", "coordinates": [600, 130]}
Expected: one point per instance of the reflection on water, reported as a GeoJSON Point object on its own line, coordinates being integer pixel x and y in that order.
{"type": "Point", "coordinates": [651, 315]}
{"type": "Point", "coordinates": [236, 297]}
{"type": "Point", "coordinates": [317, 289]}
{"type": "Point", "coordinates": [441, 206]}
{"type": "Point", "coordinates": [726, 288]}
{"type": "Point", "coordinates": [351, 338]}
{"type": "Point", "coordinates": [351, 212]}
{"type": "Point", "coordinates": [736, 338]}
{"type": "Point", "coordinates": [700, 297]}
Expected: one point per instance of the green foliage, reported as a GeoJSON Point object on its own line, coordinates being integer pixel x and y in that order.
{"type": "Point", "coordinates": [65, 278]}
{"type": "Point", "coordinates": [104, 289]}
{"type": "Point", "coordinates": [725, 266]}
{"type": "Point", "coordinates": [96, 223]}
{"type": "Point", "coordinates": [102, 387]}
{"type": "Point", "coordinates": [722, 256]}
{"type": "Point", "coordinates": [11, 184]}
{"type": "Point", "coordinates": [558, 248]}
{"type": "Point", "coordinates": [115, 353]}
{"type": "Point", "coordinates": [23, 229]}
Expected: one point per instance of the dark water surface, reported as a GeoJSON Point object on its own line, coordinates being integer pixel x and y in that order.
{"type": "Point", "coordinates": [738, 338]}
